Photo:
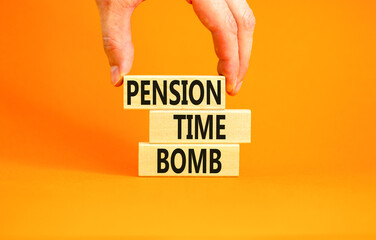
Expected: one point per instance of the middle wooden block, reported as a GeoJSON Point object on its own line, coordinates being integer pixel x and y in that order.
{"type": "Point", "coordinates": [200, 126]}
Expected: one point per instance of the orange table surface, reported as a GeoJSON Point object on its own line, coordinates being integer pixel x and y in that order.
{"type": "Point", "coordinates": [68, 151]}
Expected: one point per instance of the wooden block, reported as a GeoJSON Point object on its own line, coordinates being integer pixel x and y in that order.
{"type": "Point", "coordinates": [188, 159]}
{"type": "Point", "coordinates": [200, 126]}
{"type": "Point", "coordinates": [174, 92]}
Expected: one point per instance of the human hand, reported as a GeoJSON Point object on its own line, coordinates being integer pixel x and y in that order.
{"type": "Point", "coordinates": [231, 23]}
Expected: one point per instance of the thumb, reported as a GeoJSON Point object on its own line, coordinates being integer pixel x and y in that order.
{"type": "Point", "coordinates": [117, 40]}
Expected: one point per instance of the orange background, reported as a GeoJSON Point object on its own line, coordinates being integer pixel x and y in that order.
{"type": "Point", "coordinates": [68, 151]}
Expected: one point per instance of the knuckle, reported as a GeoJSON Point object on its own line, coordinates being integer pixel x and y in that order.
{"type": "Point", "coordinates": [118, 3]}
{"type": "Point", "coordinates": [129, 3]}
{"type": "Point", "coordinates": [110, 44]}
{"type": "Point", "coordinates": [248, 20]}
{"type": "Point", "coordinates": [231, 23]}
{"type": "Point", "coordinates": [103, 3]}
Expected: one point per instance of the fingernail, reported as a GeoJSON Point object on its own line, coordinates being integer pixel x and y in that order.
{"type": "Point", "coordinates": [115, 75]}
{"type": "Point", "coordinates": [230, 87]}
{"type": "Point", "coordinates": [237, 88]}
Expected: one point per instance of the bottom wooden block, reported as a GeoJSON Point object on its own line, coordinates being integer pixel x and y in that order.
{"type": "Point", "coordinates": [188, 159]}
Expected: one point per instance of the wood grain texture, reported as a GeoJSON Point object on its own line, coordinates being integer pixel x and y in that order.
{"type": "Point", "coordinates": [169, 127]}
{"type": "Point", "coordinates": [179, 96]}
{"type": "Point", "coordinates": [228, 158]}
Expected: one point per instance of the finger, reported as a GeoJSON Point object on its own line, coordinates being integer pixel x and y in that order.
{"type": "Point", "coordinates": [117, 39]}
{"type": "Point", "coordinates": [245, 21]}
{"type": "Point", "coordinates": [217, 17]}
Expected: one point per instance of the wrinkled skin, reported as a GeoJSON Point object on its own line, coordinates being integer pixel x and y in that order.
{"type": "Point", "coordinates": [231, 23]}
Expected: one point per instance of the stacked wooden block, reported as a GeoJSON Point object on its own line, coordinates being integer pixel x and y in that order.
{"type": "Point", "coordinates": [191, 133]}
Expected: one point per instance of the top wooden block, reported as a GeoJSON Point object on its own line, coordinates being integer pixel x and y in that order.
{"type": "Point", "coordinates": [174, 92]}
